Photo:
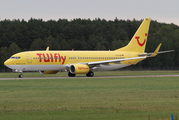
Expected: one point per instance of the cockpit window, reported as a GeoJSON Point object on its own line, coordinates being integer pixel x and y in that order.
{"type": "Point", "coordinates": [15, 57]}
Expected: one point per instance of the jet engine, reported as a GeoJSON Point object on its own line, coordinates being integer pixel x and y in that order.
{"type": "Point", "coordinates": [79, 69]}
{"type": "Point", "coordinates": [48, 72]}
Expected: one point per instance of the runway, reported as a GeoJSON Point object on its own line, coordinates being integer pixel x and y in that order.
{"type": "Point", "coordinates": [81, 77]}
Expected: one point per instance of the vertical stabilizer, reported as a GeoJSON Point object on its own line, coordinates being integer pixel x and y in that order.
{"type": "Point", "coordinates": [139, 40]}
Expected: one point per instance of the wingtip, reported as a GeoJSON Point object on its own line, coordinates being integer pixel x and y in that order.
{"type": "Point", "coordinates": [47, 49]}
{"type": "Point", "coordinates": [156, 51]}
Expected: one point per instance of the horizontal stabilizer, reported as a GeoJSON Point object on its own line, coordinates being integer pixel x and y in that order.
{"type": "Point", "coordinates": [153, 54]}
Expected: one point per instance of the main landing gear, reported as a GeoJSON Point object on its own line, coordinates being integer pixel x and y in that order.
{"type": "Point", "coordinates": [71, 75]}
{"type": "Point", "coordinates": [90, 74]}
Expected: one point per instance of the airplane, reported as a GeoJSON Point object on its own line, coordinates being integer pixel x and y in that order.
{"type": "Point", "coordinates": [85, 62]}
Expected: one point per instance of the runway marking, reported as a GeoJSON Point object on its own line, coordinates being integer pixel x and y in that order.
{"type": "Point", "coordinates": [132, 76]}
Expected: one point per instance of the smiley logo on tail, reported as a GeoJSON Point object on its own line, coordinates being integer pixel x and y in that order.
{"type": "Point", "coordinates": [140, 44]}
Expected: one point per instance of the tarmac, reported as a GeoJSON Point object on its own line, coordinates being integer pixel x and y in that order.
{"type": "Point", "coordinates": [81, 77]}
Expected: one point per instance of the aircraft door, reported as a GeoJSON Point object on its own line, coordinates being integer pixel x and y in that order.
{"type": "Point", "coordinates": [76, 59]}
{"type": "Point", "coordinates": [29, 58]}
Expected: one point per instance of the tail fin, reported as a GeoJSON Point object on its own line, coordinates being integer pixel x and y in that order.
{"type": "Point", "coordinates": [139, 40]}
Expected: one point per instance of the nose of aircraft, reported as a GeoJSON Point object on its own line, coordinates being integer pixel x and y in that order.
{"type": "Point", "coordinates": [7, 62]}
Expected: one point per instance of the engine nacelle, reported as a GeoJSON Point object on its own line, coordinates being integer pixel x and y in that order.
{"type": "Point", "coordinates": [79, 69]}
{"type": "Point", "coordinates": [48, 72]}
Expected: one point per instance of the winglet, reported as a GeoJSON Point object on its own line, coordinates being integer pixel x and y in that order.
{"type": "Point", "coordinates": [156, 51]}
{"type": "Point", "coordinates": [47, 49]}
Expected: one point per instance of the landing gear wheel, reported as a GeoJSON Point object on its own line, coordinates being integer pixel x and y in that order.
{"type": "Point", "coordinates": [90, 74]}
{"type": "Point", "coordinates": [71, 75]}
{"type": "Point", "coordinates": [20, 76]}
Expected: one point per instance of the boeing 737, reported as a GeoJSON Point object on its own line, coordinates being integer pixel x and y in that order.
{"type": "Point", "coordinates": [84, 62]}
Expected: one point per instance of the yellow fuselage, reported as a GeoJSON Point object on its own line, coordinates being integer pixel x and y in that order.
{"type": "Point", "coordinates": [58, 60]}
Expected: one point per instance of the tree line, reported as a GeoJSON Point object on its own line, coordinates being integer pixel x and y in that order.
{"type": "Point", "coordinates": [86, 34]}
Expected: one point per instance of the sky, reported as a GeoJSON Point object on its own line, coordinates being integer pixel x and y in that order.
{"type": "Point", "coordinates": [164, 11]}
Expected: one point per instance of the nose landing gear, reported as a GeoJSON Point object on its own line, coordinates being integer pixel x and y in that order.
{"type": "Point", "coordinates": [20, 71]}
{"type": "Point", "coordinates": [21, 76]}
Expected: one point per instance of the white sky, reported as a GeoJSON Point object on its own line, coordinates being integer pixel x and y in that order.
{"type": "Point", "coordinates": [161, 10]}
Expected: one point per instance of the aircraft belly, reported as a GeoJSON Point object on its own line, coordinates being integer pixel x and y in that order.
{"type": "Point", "coordinates": [46, 67]}
{"type": "Point", "coordinates": [37, 67]}
{"type": "Point", "coordinates": [15, 67]}
{"type": "Point", "coordinates": [110, 67]}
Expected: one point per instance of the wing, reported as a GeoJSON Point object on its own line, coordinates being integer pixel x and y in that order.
{"type": "Point", "coordinates": [106, 62]}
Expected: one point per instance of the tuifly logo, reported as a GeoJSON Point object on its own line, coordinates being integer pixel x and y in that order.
{"type": "Point", "coordinates": [140, 44]}
{"type": "Point", "coordinates": [49, 57]}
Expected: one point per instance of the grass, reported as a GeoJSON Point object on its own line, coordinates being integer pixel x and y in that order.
{"type": "Point", "coordinates": [96, 73]}
{"type": "Point", "coordinates": [85, 99]}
